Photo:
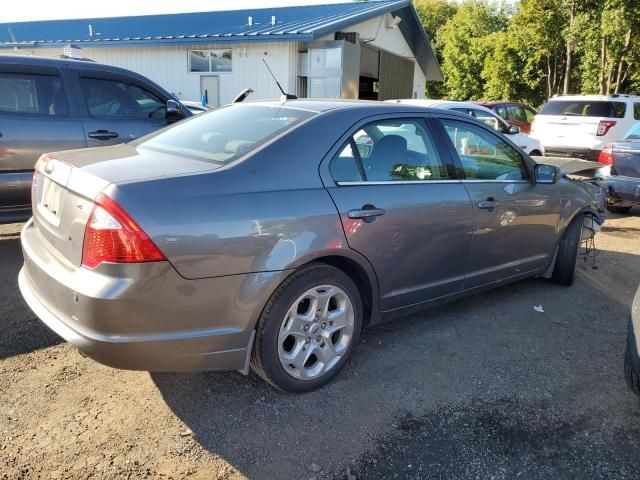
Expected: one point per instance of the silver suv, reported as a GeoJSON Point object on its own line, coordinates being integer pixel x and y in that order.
{"type": "Point", "coordinates": [54, 104]}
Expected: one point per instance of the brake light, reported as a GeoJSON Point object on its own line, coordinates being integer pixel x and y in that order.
{"type": "Point", "coordinates": [111, 235]}
{"type": "Point", "coordinates": [604, 126]}
{"type": "Point", "coordinates": [606, 155]}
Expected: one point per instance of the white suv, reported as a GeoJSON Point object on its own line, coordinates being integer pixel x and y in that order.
{"type": "Point", "coordinates": [581, 125]}
{"type": "Point", "coordinates": [530, 145]}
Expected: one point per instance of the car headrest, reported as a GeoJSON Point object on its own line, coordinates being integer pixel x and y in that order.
{"type": "Point", "coordinates": [387, 152]}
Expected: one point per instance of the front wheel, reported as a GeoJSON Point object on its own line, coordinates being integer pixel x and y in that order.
{"type": "Point", "coordinates": [564, 271]}
{"type": "Point", "coordinates": [308, 329]}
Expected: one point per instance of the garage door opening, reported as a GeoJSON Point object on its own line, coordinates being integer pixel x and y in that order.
{"type": "Point", "coordinates": [384, 76]}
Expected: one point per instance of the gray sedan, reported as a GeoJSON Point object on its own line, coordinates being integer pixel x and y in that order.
{"type": "Point", "coordinates": [268, 234]}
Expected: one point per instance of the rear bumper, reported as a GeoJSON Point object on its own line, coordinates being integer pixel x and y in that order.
{"type": "Point", "coordinates": [147, 317]}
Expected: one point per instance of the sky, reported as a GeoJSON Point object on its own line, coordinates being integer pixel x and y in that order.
{"type": "Point", "coordinates": [22, 11]}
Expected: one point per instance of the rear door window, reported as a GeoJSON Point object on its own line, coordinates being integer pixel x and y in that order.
{"type": "Point", "coordinates": [585, 108]}
{"type": "Point", "coordinates": [32, 94]}
{"type": "Point", "coordinates": [516, 113]}
{"type": "Point", "coordinates": [530, 114]}
{"type": "Point", "coordinates": [388, 151]}
{"type": "Point", "coordinates": [107, 98]}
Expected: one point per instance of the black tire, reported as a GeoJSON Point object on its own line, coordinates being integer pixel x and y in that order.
{"type": "Point", "coordinates": [630, 373]}
{"type": "Point", "coordinates": [564, 271]}
{"type": "Point", "coordinates": [617, 209]}
{"type": "Point", "coordinates": [535, 153]}
{"type": "Point", "coordinates": [264, 357]}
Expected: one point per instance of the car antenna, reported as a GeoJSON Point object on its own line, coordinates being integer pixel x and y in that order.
{"type": "Point", "coordinates": [242, 95]}
{"type": "Point", "coordinates": [285, 96]}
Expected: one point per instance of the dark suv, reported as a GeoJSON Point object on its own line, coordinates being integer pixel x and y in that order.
{"type": "Point", "coordinates": [47, 105]}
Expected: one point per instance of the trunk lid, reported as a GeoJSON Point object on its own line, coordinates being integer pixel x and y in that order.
{"type": "Point", "coordinates": [566, 131]}
{"type": "Point", "coordinates": [573, 122]}
{"type": "Point", "coordinates": [66, 183]}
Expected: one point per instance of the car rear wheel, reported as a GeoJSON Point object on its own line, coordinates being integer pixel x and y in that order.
{"type": "Point", "coordinates": [617, 209]}
{"type": "Point", "coordinates": [308, 329]}
{"type": "Point", "coordinates": [564, 271]}
{"type": "Point", "coordinates": [535, 153]}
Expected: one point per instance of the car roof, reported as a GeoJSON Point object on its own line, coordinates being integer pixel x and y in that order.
{"type": "Point", "coordinates": [446, 104]}
{"type": "Point", "coordinates": [322, 105]}
{"type": "Point", "coordinates": [60, 63]}
{"type": "Point", "coordinates": [610, 98]}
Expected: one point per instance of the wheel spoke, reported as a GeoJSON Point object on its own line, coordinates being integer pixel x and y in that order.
{"type": "Point", "coordinates": [323, 296]}
{"type": "Point", "coordinates": [294, 326]}
{"type": "Point", "coordinates": [326, 352]}
{"type": "Point", "coordinates": [341, 317]}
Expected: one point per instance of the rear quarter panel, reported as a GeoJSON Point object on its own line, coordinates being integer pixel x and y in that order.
{"type": "Point", "coordinates": [267, 212]}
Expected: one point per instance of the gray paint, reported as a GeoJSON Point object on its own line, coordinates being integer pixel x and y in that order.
{"type": "Point", "coordinates": [24, 137]}
{"type": "Point", "coordinates": [232, 235]}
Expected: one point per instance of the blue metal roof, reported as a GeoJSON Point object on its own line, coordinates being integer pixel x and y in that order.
{"type": "Point", "coordinates": [300, 23]}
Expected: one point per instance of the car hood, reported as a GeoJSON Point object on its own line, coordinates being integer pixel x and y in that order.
{"type": "Point", "coordinates": [127, 163]}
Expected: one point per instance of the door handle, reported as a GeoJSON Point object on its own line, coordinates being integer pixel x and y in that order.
{"type": "Point", "coordinates": [367, 211]}
{"type": "Point", "coordinates": [103, 135]}
{"type": "Point", "coordinates": [488, 204]}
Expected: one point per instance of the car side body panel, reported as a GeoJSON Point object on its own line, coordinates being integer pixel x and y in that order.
{"type": "Point", "coordinates": [231, 236]}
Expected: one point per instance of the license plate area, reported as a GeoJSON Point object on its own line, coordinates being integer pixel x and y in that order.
{"type": "Point", "coordinates": [50, 199]}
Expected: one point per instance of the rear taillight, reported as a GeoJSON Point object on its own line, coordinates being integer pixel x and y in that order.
{"type": "Point", "coordinates": [111, 235]}
{"type": "Point", "coordinates": [604, 126]}
{"type": "Point", "coordinates": [606, 155]}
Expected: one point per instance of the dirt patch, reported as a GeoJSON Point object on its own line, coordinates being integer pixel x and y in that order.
{"type": "Point", "coordinates": [483, 387]}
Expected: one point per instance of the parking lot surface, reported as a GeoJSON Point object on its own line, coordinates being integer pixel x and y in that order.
{"type": "Point", "coordinates": [486, 387]}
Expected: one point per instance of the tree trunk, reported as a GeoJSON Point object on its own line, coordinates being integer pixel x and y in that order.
{"type": "Point", "coordinates": [567, 69]}
{"type": "Point", "coordinates": [627, 42]}
{"type": "Point", "coordinates": [549, 90]}
{"type": "Point", "coordinates": [603, 61]}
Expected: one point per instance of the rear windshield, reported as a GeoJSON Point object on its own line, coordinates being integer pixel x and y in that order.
{"type": "Point", "coordinates": [584, 108]}
{"type": "Point", "coordinates": [223, 135]}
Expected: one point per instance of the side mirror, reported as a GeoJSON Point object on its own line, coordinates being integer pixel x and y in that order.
{"type": "Point", "coordinates": [174, 111]}
{"type": "Point", "coordinates": [513, 129]}
{"type": "Point", "coordinates": [547, 174]}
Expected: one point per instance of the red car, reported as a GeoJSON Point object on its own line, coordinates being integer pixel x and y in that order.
{"type": "Point", "coordinates": [514, 113]}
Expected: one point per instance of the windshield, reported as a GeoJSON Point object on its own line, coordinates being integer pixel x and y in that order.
{"type": "Point", "coordinates": [584, 108]}
{"type": "Point", "coordinates": [223, 135]}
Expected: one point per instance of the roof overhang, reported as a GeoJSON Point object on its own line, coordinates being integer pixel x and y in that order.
{"type": "Point", "coordinates": [328, 19]}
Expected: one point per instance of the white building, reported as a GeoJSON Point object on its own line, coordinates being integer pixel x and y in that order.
{"type": "Point", "coordinates": [373, 50]}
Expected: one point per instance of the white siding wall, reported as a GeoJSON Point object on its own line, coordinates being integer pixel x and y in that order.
{"type": "Point", "coordinates": [168, 67]}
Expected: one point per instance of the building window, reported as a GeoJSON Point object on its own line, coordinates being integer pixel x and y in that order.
{"type": "Point", "coordinates": [210, 60]}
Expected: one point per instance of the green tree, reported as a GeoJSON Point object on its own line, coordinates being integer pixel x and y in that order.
{"type": "Point", "coordinates": [466, 44]}
{"type": "Point", "coordinates": [434, 14]}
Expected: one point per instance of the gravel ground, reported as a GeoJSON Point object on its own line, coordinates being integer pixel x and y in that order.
{"type": "Point", "coordinates": [483, 388]}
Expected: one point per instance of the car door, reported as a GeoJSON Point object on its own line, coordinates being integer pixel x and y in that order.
{"type": "Point", "coordinates": [119, 109]}
{"type": "Point", "coordinates": [515, 220]}
{"type": "Point", "coordinates": [402, 208]}
{"type": "Point", "coordinates": [35, 117]}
